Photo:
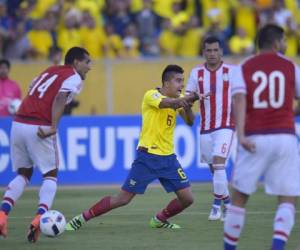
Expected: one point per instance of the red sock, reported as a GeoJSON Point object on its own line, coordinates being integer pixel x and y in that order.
{"type": "Point", "coordinates": [101, 207]}
{"type": "Point", "coordinates": [173, 208]}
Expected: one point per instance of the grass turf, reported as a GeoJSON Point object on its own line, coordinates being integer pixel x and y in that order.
{"type": "Point", "coordinates": [128, 227]}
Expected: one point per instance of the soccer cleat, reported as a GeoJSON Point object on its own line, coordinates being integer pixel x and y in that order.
{"type": "Point", "coordinates": [215, 213]}
{"type": "Point", "coordinates": [34, 229]}
{"type": "Point", "coordinates": [156, 223]}
{"type": "Point", "coordinates": [3, 224]}
{"type": "Point", "coordinates": [75, 223]}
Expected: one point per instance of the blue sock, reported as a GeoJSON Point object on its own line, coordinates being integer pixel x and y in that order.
{"type": "Point", "coordinates": [226, 200]}
{"type": "Point", "coordinates": [41, 210]}
{"type": "Point", "coordinates": [217, 202]}
{"type": "Point", "coordinates": [228, 246]}
{"type": "Point", "coordinates": [278, 244]}
{"type": "Point", "coordinates": [6, 207]}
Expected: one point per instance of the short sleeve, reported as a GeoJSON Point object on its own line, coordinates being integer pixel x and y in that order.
{"type": "Point", "coordinates": [153, 98]}
{"type": "Point", "coordinates": [297, 81]}
{"type": "Point", "coordinates": [237, 81]}
{"type": "Point", "coordinates": [72, 84]}
{"type": "Point", "coordinates": [192, 83]}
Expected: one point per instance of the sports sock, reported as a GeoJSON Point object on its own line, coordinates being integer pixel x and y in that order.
{"type": "Point", "coordinates": [173, 208]}
{"type": "Point", "coordinates": [226, 201]}
{"type": "Point", "coordinates": [47, 194]}
{"type": "Point", "coordinates": [219, 184]}
{"type": "Point", "coordinates": [283, 223]}
{"type": "Point", "coordinates": [13, 193]}
{"type": "Point", "coordinates": [233, 226]}
{"type": "Point", "coordinates": [101, 207]}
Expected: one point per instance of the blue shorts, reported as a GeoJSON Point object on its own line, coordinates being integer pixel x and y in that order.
{"type": "Point", "coordinates": [148, 167]}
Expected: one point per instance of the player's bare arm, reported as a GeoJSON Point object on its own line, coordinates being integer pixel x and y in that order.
{"type": "Point", "coordinates": [239, 111]}
{"type": "Point", "coordinates": [57, 111]}
{"type": "Point", "coordinates": [187, 115]}
{"type": "Point", "coordinates": [201, 96]}
{"type": "Point", "coordinates": [181, 102]}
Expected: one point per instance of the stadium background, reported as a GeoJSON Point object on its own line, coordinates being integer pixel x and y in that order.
{"type": "Point", "coordinates": [130, 41]}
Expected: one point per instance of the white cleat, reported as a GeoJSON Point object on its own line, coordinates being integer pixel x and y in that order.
{"type": "Point", "coordinates": [215, 213]}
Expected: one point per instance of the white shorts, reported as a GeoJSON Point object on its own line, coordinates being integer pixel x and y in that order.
{"type": "Point", "coordinates": [28, 150]}
{"type": "Point", "coordinates": [276, 159]}
{"type": "Point", "coordinates": [216, 143]}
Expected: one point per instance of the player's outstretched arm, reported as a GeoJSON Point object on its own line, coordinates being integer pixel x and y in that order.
{"type": "Point", "coordinates": [57, 111]}
{"type": "Point", "coordinates": [180, 102]}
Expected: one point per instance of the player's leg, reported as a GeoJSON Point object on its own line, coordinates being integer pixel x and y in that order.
{"type": "Point", "coordinates": [184, 199]}
{"type": "Point", "coordinates": [174, 180]}
{"type": "Point", "coordinates": [103, 206]}
{"type": "Point", "coordinates": [222, 140]}
{"type": "Point", "coordinates": [248, 169]}
{"type": "Point", "coordinates": [283, 179]}
{"type": "Point", "coordinates": [235, 220]}
{"type": "Point", "coordinates": [108, 203]}
{"type": "Point", "coordinates": [44, 154]}
{"type": "Point", "coordinates": [284, 221]}
{"type": "Point", "coordinates": [136, 183]}
{"type": "Point", "coordinates": [220, 188]}
{"type": "Point", "coordinates": [12, 194]}
{"type": "Point", "coordinates": [21, 163]}
{"type": "Point", "coordinates": [46, 196]}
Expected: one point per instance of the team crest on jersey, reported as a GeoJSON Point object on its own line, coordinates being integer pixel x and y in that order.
{"type": "Point", "coordinates": [225, 77]}
{"type": "Point", "coordinates": [156, 95]}
{"type": "Point", "coordinates": [200, 79]}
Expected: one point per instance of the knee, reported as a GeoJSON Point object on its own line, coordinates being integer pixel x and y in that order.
{"type": "Point", "coordinates": [123, 199]}
{"type": "Point", "coordinates": [187, 201]}
{"type": "Point", "coordinates": [26, 173]}
{"type": "Point", "coordinates": [52, 173]}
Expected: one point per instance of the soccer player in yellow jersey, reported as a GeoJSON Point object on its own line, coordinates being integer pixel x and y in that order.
{"type": "Point", "coordinates": [155, 154]}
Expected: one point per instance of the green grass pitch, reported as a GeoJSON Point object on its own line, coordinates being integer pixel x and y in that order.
{"type": "Point", "coordinates": [127, 228]}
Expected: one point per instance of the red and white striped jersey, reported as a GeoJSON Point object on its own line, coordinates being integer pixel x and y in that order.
{"type": "Point", "coordinates": [215, 111]}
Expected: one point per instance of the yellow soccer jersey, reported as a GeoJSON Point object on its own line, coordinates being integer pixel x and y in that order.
{"type": "Point", "coordinates": [158, 125]}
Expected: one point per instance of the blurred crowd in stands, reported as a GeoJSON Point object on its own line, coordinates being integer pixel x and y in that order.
{"type": "Point", "coordinates": [41, 29]}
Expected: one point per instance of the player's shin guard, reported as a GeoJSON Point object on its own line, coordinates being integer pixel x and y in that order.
{"type": "Point", "coordinates": [233, 226]}
{"type": "Point", "coordinates": [220, 183]}
{"type": "Point", "coordinates": [173, 208]}
{"type": "Point", "coordinates": [47, 194]}
{"type": "Point", "coordinates": [283, 223]}
{"type": "Point", "coordinates": [13, 193]}
{"type": "Point", "coordinates": [101, 207]}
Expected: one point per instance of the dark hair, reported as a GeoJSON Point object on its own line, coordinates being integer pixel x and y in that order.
{"type": "Point", "coordinates": [210, 40]}
{"type": "Point", "coordinates": [75, 53]}
{"type": "Point", "coordinates": [6, 62]}
{"type": "Point", "coordinates": [169, 71]}
{"type": "Point", "coordinates": [268, 34]}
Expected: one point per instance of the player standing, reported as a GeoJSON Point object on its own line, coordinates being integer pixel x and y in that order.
{"type": "Point", "coordinates": [263, 108]}
{"type": "Point", "coordinates": [33, 133]}
{"type": "Point", "coordinates": [155, 154]}
{"type": "Point", "coordinates": [215, 78]}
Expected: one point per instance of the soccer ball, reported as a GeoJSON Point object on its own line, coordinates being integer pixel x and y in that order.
{"type": "Point", "coordinates": [52, 223]}
{"type": "Point", "coordinates": [14, 105]}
